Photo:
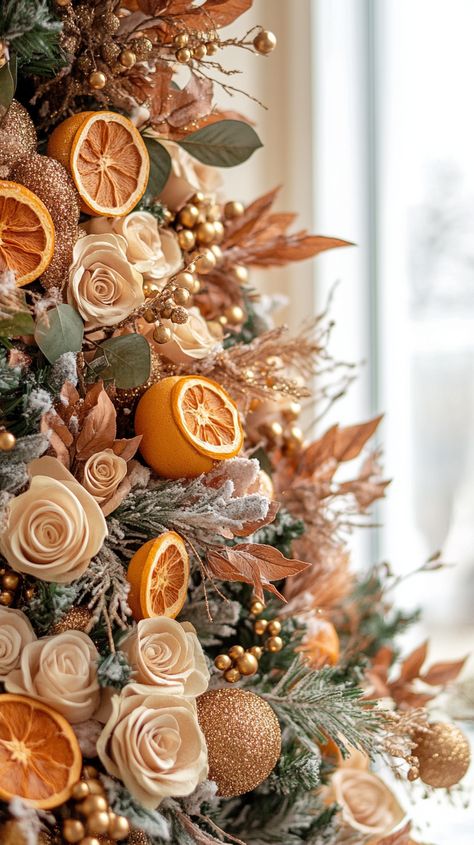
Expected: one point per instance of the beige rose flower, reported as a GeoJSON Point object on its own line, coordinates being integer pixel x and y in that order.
{"type": "Point", "coordinates": [60, 671]}
{"type": "Point", "coordinates": [187, 176]}
{"type": "Point", "coordinates": [55, 528]}
{"type": "Point", "coordinates": [153, 743]}
{"type": "Point", "coordinates": [368, 805]}
{"type": "Point", "coordinates": [15, 633]}
{"type": "Point", "coordinates": [103, 474]}
{"type": "Point", "coordinates": [191, 340]}
{"type": "Point", "coordinates": [165, 653]}
{"type": "Point", "coordinates": [103, 285]}
{"type": "Point", "coordinates": [153, 252]}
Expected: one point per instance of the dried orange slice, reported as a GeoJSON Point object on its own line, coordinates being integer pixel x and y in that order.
{"type": "Point", "coordinates": [40, 758]}
{"type": "Point", "coordinates": [26, 233]}
{"type": "Point", "coordinates": [187, 423]}
{"type": "Point", "coordinates": [158, 575]}
{"type": "Point", "coordinates": [107, 158]}
{"type": "Point", "coordinates": [322, 646]}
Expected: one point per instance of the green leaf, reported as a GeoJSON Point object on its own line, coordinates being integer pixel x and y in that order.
{"type": "Point", "coordinates": [59, 330]}
{"type": "Point", "coordinates": [7, 84]}
{"type": "Point", "coordinates": [222, 144]}
{"type": "Point", "coordinates": [20, 323]}
{"type": "Point", "coordinates": [128, 360]}
{"type": "Point", "coordinates": [160, 167]}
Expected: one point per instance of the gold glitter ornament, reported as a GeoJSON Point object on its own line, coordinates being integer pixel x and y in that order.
{"type": "Point", "coordinates": [75, 619]}
{"type": "Point", "coordinates": [110, 52]}
{"type": "Point", "coordinates": [443, 755]}
{"type": "Point", "coordinates": [138, 837]}
{"type": "Point", "coordinates": [17, 134]}
{"type": "Point", "coordinates": [243, 739]}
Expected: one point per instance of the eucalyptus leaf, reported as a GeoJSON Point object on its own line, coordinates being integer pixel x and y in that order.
{"type": "Point", "coordinates": [58, 331]}
{"type": "Point", "coordinates": [7, 85]}
{"type": "Point", "coordinates": [128, 360]}
{"type": "Point", "coordinates": [160, 167]}
{"type": "Point", "coordinates": [17, 324]}
{"type": "Point", "coordinates": [222, 144]}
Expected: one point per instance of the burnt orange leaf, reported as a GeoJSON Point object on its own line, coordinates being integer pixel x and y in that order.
{"type": "Point", "coordinates": [443, 673]}
{"type": "Point", "coordinates": [350, 441]}
{"type": "Point", "coordinates": [254, 563]}
{"type": "Point", "coordinates": [412, 664]}
{"type": "Point", "coordinates": [99, 427]}
{"type": "Point", "coordinates": [126, 448]}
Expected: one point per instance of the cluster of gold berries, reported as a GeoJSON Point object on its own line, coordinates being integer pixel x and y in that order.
{"type": "Point", "coordinates": [171, 303]}
{"type": "Point", "coordinates": [238, 662]}
{"type": "Point", "coordinates": [195, 45]}
{"type": "Point", "coordinates": [92, 816]}
{"type": "Point", "coordinates": [15, 590]}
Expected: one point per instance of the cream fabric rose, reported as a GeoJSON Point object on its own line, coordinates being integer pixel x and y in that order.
{"type": "Point", "coordinates": [165, 653]}
{"type": "Point", "coordinates": [102, 474]}
{"type": "Point", "coordinates": [191, 340]}
{"type": "Point", "coordinates": [187, 176]}
{"type": "Point", "coordinates": [60, 671]}
{"type": "Point", "coordinates": [367, 804]}
{"type": "Point", "coordinates": [154, 253]}
{"type": "Point", "coordinates": [55, 528]}
{"type": "Point", "coordinates": [153, 743]}
{"type": "Point", "coordinates": [103, 285]}
{"type": "Point", "coordinates": [15, 633]}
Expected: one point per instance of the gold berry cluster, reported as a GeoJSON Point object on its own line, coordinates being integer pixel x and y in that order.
{"type": "Point", "coordinates": [171, 303]}
{"type": "Point", "coordinates": [91, 816]}
{"type": "Point", "coordinates": [15, 589]}
{"type": "Point", "coordinates": [194, 45]}
{"type": "Point", "coordinates": [238, 662]}
{"type": "Point", "coordinates": [283, 433]}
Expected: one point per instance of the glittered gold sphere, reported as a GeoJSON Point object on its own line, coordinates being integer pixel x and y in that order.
{"type": "Point", "coordinates": [264, 42]}
{"type": "Point", "coordinates": [443, 754]}
{"type": "Point", "coordinates": [17, 134]}
{"type": "Point", "coordinates": [75, 619]}
{"type": "Point", "coordinates": [243, 739]}
{"type": "Point", "coordinates": [137, 837]}
{"type": "Point", "coordinates": [97, 80]}
{"type": "Point", "coordinates": [7, 441]}
{"type": "Point", "coordinates": [179, 315]}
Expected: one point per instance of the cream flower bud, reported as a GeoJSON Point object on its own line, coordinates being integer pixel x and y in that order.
{"type": "Point", "coordinates": [15, 633]}
{"type": "Point", "coordinates": [55, 528]}
{"type": "Point", "coordinates": [153, 252]}
{"type": "Point", "coordinates": [368, 805]}
{"type": "Point", "coordinates": [102, 474]}
{"type": "Point", "coordinates": [153, 743]}
{"type": "Point", "coordinates": [60, 671]}
{"type": "Point", "coordinates": [165, 653]}
{"type": "Point", "coordinates": [103, 285]}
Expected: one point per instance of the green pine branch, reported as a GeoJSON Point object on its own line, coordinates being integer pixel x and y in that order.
{"type": "Point", "coordinates": [32, 33]}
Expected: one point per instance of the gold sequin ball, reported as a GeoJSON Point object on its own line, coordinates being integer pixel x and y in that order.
{"type": "Point", "coordinates": [17, 134]}
{"type": "Point", "coordinates": [75, 619]}
{"type": "Point", "coordinates": [443, 755]}
{"type": "Point", "coordinates": [243, 739]}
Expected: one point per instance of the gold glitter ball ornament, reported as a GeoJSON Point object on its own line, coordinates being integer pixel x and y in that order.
{"type": "Point", "coordinates": [75, 619]}
{"type": "Point", "coordinates": [137, 837]}
{"type": "Point", "coordinates": [17, 134]}
{"type": "Point", "coordinates": [443, 755]}
{"type": "Point", "coordinates": [243, 739]}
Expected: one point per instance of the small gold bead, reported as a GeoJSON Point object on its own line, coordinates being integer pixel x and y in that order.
{"type": "Point", "coordinates": [188, 216]}
{"type": "Point", "coordinates": [235, 314]}
{"type": "Point", "coordinates": [240, 274]}
{"type": "Point", "coordinates": [274, 628]}
{"type": "Point", "coordinates": [98, 822]}
{"type": "Point", "coordinates": [205, 233]}
{"type": "Point", "coordinates": [80, 791]}
{"type": "Point", "coordinates": [181, 39]}
{"type": "Point", "coordinates": [10, 581]}
{"type": "Point", "coordinates": [90, 840]}
{"type": "Point", "coordinates": [184, 55]}
{"type": "Point", "coordinates": [296, 433]}
{"type": "Point", "coordinates": [162, 334]}
{"type": "Point", "coordinates": [257, 607]}
{"type": "Point", "coordinates": [185, 280]}
{"type": "Point", "coordinates": [219, 230]}
{"type": "Point", "coordinates": [211, 48]}
{"type": "Point", "coordinates": [186, 239]}
{"type": "Point", "coordinates": [73, 830]}
{"type": "Point", "coordinates": [260, 626]}
{"type": "Point", "coordinates": [292, 411]}
{"type": "Point", "coordinates": [276, 429]}
{"type": "Point", "coordinates": [216, 250]}
{"type": "Point", "coordinates": [97, 80]}
{"type": "Point", "coordinates": [181, 296]}
{"type": "Point", "coordinates": [7, 441]}
{"type": "Point", "coordinates": [93, 804]}
{"type": "Point", "coordinates": [233, 209]}
{"type": "Point", "coordinates": [236, 651]}
{"type": "Point", "coordinates": [200, 51]}
{"type": "Point", "coordinates": [213, 213]}
{"type": "Point", "coordinates": [264, 42]}
{"type": "Point", "coordinates": [149, 315]}
{"type": "Point", "coordinates": [198, 198]}
{"type": "Point", "coordinates": [274, 644]}
{"type": "Point", "coordinates": [257, 651]}
{"type": "Point", "coordinates": [222, 662]}
{"type": "Point", "coordinates": [413, 773]}
{"type": "Point", "coordinates": [95, 787]}
{"type": "Point", "coordinates": [29, 593]}
{"type": "Point", "coordinates": [247, 664]}
{"type": "Point", "coordinates": [89, 772]}
{"type": "Point", "coordinates": [62, 3]}
{"type": "Point", "coordinates": [6, 598]}
{"type": "Point", "coordinates": [168, 215]}
{"type": "Point", "coordinates": [232, 676]}
{"type": "Point", "coordinates": [127, 58]}
{"type": "Point", "coordinates": [197, 286]}
{"type": "Point", "coordinates": [150, 289]}
{"type": "Point", "coordinates": [223, 320]}
{"type": "Point", "coordinates": [119, 827]}
{"type": "Point", "coordinates": [205, 262]}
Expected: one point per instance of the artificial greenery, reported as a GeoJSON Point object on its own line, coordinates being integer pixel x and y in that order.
{"type": "Point", "coordinates": [32, 31]}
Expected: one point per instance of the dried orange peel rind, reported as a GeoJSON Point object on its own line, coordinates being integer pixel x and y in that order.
{"type": "Point", "coordinates": [158, 574]}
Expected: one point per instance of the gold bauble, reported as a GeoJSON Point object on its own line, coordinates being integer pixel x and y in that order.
{"type": "Point", "coordinates": [179, 315]}
{"type": "Point", "coordinates": [200, 51]}
{"type": "Point", "coordinates": [127, 58]}
{"type": "Point", "coordinates": [62, 3]}
{"type": "Point", "coordinates": [236, 651]}
{"type": "Point", "coordinates": [138, 837]}
{"type": "Point", "coordinates": [75, 619]}
{"type": "Point", "coordinates": [181, 39]}
{"type": "Point", "coordinates": [186, 239]}
{"type": "Point", "coordinates": [233, 209]}
{"type": "Point", "coordinates": [188, 216]}
{"type": "Point", "coordinates": [264, 42]}
{"type": "Point", "coordinates": [181, 296]}
{"type": "Point", "coordinates": [240, 274]}
{"type": "Point", "coordinates": [150, 289]}
{"type": "Point", "coordinates": [10, 581]}
{"type": "Point", "coordinates": [73, 830]}
{"type": "Point", "coordinates": [6, 598]}
{"type": "Point", "coordinates": [247, 664]}
{"type": "Point", "coordinates": [183, 55]}
{"type": "Point", "coordinates": [260, 626]}
{"type": "Point", "coordinates": [235, 314]}
{"type": "Point", "coordinates": [162, 334]}
{"type": "Point", "coordinates": [223, 662]}
{"type": "Point", "coordinates": [257, 607]}
{"type": "Point", "coordinates": [205, 262]}
{"type": "Point", "coordinates": [98, 822]}
{"type": "Point", "coordinates": [90, 840]}
{"type": "Point", "coordinates": [211, 48]}
{"type": "Point", "coordinates": [185, 280]}
{"type": "Point", "coordinates": [93, 804]}
{"type": "Point", "coordinates": [80, 790]}
{"type": "Point", "coordinates": [7, 441]}
{"type": "Point", "coordinates": [274, 644]}
{"type": "Point", "coordinates": [443, 754]}
{"type": "Point", "coordinates": [17, 134]}
{"type": "Point", "coordinates": [274, 628]}
{"type": "Point", "coordinates": [243, 739]}
{"type": "Point", "coordinates": [232, 675]}
{"type": "Point", "coordinates": [257, 651]}
{"type": "Point", "coordinates": [97, 80]}
{"type": "Point", "coordinates": [219, 230]}
{"type": "Point", "coordinates": [205, 233]}
{"type": "Point", "coordinates": [119, 827]}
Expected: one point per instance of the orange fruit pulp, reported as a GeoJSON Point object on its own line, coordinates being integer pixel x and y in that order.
{"type": "Point", "coordinates": [158, 574]}
{"type": "Point", "coordinates": [187, 423]}
{"type": "Point", "coordinates": [107, 158]}
{"type": "Point", "coordinates": [40, 758]}
{"type": "Point", "coordinates": [322, 646]}
{"type": "Point", "coordinates": [26, 233]}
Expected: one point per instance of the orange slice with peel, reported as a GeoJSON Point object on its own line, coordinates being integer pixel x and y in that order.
{"type": "Point", "coordinates": [40, 758]}
{"type": "Point", "coordinates": [187, 423]}
{"type": "Point", "coordinates": [107, 158]}
{"type": "Point", "coordinates": [26, 233]}
{"type": "Point", "coordinates": [158, 574]}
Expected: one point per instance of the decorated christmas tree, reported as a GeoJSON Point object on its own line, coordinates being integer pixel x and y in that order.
{"type": "Point", "coordinates": [185, 654]}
